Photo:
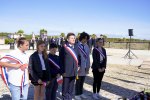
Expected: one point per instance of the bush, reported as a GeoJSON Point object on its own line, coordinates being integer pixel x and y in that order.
{"type": "Point", "coordinates": [7, 41]}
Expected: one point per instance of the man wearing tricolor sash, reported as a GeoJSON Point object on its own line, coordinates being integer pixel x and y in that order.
{"type": "Point", "coordinates": [69, 56]}
{"type": "Point", "coordinates": [16, 78]}
{"type": "Point", "coordinates": [55, 71]}
{"type": "Point", "coordinates": [84, 51]}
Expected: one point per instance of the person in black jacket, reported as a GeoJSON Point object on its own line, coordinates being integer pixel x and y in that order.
{"type": "Point", "coordinates": [39, 71]}
{"type": "Point", "coordinates": [69, 61]}
{"type": "Point", "coordinates": [98, 67]}
{"type": "Point", "coordinates": [55, 71]}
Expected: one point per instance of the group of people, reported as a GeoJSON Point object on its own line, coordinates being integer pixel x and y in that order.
{"type": "Point", "coordinates": [91, 42]}
{"type": "Point", "coordinates": [44, 70]}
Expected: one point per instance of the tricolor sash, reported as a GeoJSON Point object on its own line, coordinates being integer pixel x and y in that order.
{"type": "Point", "coordinates": [83, 52]}
{"type": "Point", "coordinates": [54, 63]}
{"type": "Point", "coordinates": [60, 80]}
{"type": "Point", "coordinates": [5, 73]}
{"type": "Point", "coordinates": [100, 52]}
{"type": "Point", "coordinates": [71, 51]}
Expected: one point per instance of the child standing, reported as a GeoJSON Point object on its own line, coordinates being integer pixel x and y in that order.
{"type": "Point", "coordinates": [39, 70]}
{"type": "Point", "coordinates": [54, 62]}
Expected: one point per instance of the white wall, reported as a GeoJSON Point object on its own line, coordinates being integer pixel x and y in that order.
{"type": "Point", "coordinates": [2, 41]}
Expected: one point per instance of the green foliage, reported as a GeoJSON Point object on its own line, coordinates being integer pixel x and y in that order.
{"type": "Point", "coordinates": [43, 31]}
{"type": "Point", "coordinates": [62, 34]}
{"type": "Point", "coordinates": [28, 37]}
{"type": "Point", "coordinates": [4, 34]}
{"type": "Point", "coordinates": [56, 36]}
{"type": "Point", "coordinates": [20, 32]}
{"type": "Point", "coordinates": [93, 36]}
{"type": "Point", "coordinates": [7, 41]}
{"type": "Point", "coordinates": [104, 36]}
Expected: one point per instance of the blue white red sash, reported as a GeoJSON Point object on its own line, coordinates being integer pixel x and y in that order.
{"type": "Point", "coordinates": [72, 53]}
{"type": "Point", "coordinates": [60, 80]}
{"type": "Point", "coordinates": [100, 52]}
{"type": "Point", "coordinates": [5, 73]}
{"type": "Point", "coordinates": [83, 52]}
{"type": "Point", "coordinates": [54, 63]}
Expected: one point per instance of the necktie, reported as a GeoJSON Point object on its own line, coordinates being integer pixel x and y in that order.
{"type": "Point", "coordinates": [83, 47]}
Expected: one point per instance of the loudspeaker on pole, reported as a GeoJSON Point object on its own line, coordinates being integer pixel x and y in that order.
{"type": "Point", "coordinates": [130, 32]}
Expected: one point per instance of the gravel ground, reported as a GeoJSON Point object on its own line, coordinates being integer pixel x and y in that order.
{"type": "Point", "coordinates": [122, 79]}
{"type": "Point", "coordinates": [119, 81]}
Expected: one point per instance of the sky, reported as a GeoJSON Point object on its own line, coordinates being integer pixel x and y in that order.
{"type": "Point", "coordinates": [110, 17]}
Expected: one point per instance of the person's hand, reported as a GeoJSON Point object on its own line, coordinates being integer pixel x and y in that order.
{"type": "Point", "coordinates": [64, 74]}
{"type": "Point", "coordinates": [23, 67]}
{"type": "Point", "coordinates": [103, 69]}
{"type": "Point", "coordinates": [78, 69]}
{"type": "Point", "coordinates": [18, 65]}
{"type": "Point", "coordinates": [58, 75]}
{"type": "Point", "coordinates": [86, 71]}
{"type": "Point", "coordinates": [40, 81]}
{"type": "Point", "coordinates": [48, 82]}
{"type": "Point", "coordinates": [100, 70]}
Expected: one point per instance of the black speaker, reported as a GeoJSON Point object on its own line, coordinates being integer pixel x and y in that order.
{"type": "Point", "coordinates": [130, 32]}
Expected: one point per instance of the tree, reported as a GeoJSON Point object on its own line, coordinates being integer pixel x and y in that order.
{"type": "Point", "coordinates": [62, 34]}
{"type": "Point", "coordinates": [43, 31]}
{"type": "Point", "coordinates": [20, 32]}
{"type": "Point", "coordinates": [93, 36]}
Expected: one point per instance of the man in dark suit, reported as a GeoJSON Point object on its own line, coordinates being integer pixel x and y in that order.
{"type": "Point", "coordinates": [69, 56]}
{"type": "Point", "coordinates": [31, 44]}
{"type": "Point", "coordinates": [46, 42]}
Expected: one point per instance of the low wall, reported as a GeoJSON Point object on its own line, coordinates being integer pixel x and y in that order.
{"type": "Point", "coordinates": [2, 41]}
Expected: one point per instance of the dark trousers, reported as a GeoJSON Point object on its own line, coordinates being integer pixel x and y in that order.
{"type": "Point", "coordinates": [79, 85]}
{"type": "Point", "coordinates": [67, 88]}
{"type": "Point", "coordinates": [51, 89]}
{"type": "Point", "coordinates": [98, 76]}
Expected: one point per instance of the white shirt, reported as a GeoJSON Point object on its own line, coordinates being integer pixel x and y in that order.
{"type": "Point", "coordinates": [14, 74]}
{"type": "Point", "coordinates": [42, 61]}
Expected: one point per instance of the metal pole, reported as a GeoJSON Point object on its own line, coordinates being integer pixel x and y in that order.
{"type": "Point", "coordinates": [130, 47]}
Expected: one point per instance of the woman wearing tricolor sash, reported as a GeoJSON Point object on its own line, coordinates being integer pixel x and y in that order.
{"type": "Point", "coordinates": [39, 70]}
{"type": "Point", "coordinates": [69, 55]}
{"type": "Point", "coordinates": [17, 77]}
{"type": "Point", "coordinates": [84, 51]}
{"type": "Point", "coordinates": [98, 66]}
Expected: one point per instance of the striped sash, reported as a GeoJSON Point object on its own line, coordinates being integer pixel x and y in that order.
{"type": "Point", "coordinates": [72, 53]}
{"type": "Point", "coordinates": [5, 73]}
{"type": "Point", "coordinates": [100, 52]}
{"type": "Point", "coordinates": [83, 52]}
{"type": "Point", "coordinates": [54, 63]}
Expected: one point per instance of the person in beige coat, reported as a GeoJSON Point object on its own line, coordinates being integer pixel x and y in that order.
{"type": "Point", "coordinates": [84, 59]}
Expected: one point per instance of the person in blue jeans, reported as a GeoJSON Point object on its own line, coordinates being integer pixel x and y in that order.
{"type": "Point", "coordinates": [16, 78]}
